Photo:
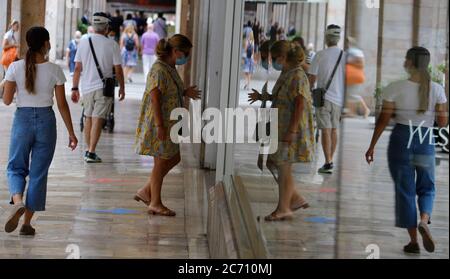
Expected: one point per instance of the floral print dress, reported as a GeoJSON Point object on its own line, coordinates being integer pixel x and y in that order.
{"type": "Point", "coordinates": [289, 86]}
{"type": "Point", "coordinates": [166, 79]}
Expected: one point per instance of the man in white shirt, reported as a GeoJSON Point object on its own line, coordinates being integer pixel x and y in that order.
{"type": "Point", "coordinates": [96, 105]}
{"type": "Point", "coordinates": [329, 116]}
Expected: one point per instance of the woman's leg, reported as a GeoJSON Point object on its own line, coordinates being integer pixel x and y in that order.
{"type": "Point", "coordinates": [161, 168]}
{"type": "Point", "coordinates": [413, 235]}
{"type": "Point", "coordinates": [365, 107]}
{"type": "Point", "coordinates": [41, 158]}
{"type": "Point", "coordinates": [403, 173]}
{"type": "Point", "coordinates": [286, 189]}
{"type": "Point", "coordinates": [19, 156]}
{"type": "Point", "coordinates": [28, 216]}
{"type": "Point", "coordinates": [125, 72]}
{"type": "Point", "coordinates": [146, 64]}
{"type": "Point", "coordinates": [18, 166]}
{"type": "Point", "coordinates": [425, 188]}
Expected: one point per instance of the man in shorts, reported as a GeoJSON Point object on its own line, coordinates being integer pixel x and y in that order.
{"type": "Point", "coordinates": [329, 116]}
{"type": "Point", "coordinates": [96, 105]}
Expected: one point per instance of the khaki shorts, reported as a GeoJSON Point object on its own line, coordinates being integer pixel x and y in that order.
{"type": "Point", "coordinates": [329, 116]}
{"type": "Point", "coordinates": [96, 105]}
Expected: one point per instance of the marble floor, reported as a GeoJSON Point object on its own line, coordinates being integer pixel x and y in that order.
{"type": "Point", "coordinates": [91, 207]}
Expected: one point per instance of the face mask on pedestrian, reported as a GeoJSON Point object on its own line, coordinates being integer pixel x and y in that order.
{"type": "Point", "coordinates": [276, 66]}
{"type": "Point", "coordinates": [182, 60]}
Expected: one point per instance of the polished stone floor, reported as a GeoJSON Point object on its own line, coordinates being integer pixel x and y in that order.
{"type": "Point", "coordinates": [92, 206]}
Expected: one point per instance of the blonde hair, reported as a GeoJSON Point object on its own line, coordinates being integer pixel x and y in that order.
{"type": "Point", "coordinates": [13, 22]}
{"type": "Point", "coordinates": [129, 29]}
{"type": "Point", "coordinates": [420, 58]}
{"type": "Point", "coordinates": [294, 53]}
{"type": "Point", "coordinates": [178, 41]}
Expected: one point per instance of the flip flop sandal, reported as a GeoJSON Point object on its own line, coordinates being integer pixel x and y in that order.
{"type": "Point", "coordinates": [138, 198]}
{"type": "Point", "coordinates": [165, 212]}
{"type": "Point", "coordinates": [13, 221]}
{"type": "Point", "coordinates": [278, 218]}
{"type": "Point", "coordinates": [304, 205]}
{"type": "Point", "coordinates": [428, 241]}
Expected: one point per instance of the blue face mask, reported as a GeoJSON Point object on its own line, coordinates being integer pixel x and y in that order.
{"type": "Point", "coordinates": [182, 61]}
{"type": "Point", "coordinates": [265, 64]}
{"type": "Point", "coordinates": [277, 66]}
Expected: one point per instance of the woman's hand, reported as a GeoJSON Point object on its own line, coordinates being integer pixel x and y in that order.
{"type": "Point", "coordinates": [73, 142]}
{"type": "Point", "coordinates": [193, 93]}
{"type": "Point", "coordinates": [255, 96]}
{"type": "Point", "coordinates": [369, 155]}
{"type": "Point", "coordinates": [162, 133]}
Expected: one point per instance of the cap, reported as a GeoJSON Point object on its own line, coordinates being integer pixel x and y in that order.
{"type": "Point", "coordinates": [100, 19]}
{"type": "Point", "coordinates": [333, 30]}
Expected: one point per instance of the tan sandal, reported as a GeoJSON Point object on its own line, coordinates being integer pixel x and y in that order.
{"type": "Point", "coordinates": [165, 212]}
{"type": "Point", "coordinates": [298, 206]}
{"type": "Point", "coordinates": [279, 218]}
{"type": "Point", "coordinates": [138, 198]}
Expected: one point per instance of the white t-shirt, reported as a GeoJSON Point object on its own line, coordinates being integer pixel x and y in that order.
{"type": "Point", "coordinates": [11, 37]}
{"type": "Point", "coordinates": [48, 75]}
{"type": "Point", "coordinates": [322, 67]}
{"type": "Point", "coordinates": [405, 95]}
{"type": "Point", "coordinates": [108, 55]}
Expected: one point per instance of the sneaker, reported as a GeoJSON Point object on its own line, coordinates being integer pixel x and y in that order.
{"type": "Point", "coordinates": [412, 248]}
{"type": "Point", "coordinates": [327, 168]}
{"type": "Point", "coordinates": [93, 158]}
{"type": "Point", "coordinates": [86, 155]}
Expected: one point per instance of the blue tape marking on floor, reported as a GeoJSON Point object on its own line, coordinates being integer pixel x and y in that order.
{"type": "Point", "coordinates": [115, 211]}
{"type": "Point", "coordinates": [320, 220]}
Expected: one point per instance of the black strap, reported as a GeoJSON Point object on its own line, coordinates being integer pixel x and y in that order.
{"type": "Point", "coordinates": [95, 59]}
{"type": "Point", "coordinates": [334, 71]}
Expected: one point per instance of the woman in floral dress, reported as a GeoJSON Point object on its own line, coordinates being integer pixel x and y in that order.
{"type": "Point", "coordinates": [164, 93]}
{"type": "Point", "coordinates": [292, 98]}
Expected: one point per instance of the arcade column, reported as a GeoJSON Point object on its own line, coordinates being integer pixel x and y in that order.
{"type": "Point", "coordinates": [32, 13]}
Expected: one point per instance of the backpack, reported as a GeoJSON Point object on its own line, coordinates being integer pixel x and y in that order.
{"type": "Point", "coordinates": [249, 50]}
{"type": "Point", "coordinates": [130, 43]}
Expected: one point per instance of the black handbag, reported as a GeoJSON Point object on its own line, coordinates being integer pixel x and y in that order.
{"type": "Point", "coordinates": [318, 94]}
{"type": "Point", "coordinates": [109, 84]}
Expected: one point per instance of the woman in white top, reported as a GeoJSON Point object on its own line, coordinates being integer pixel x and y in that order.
{"type": "Point", "coordinates": [416, 104]}
{"type": "Point", "coordinates": [33, 134]}
{"type": "Point", "coordinates": [10, 45]}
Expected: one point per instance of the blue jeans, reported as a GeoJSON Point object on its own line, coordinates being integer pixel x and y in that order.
{"type": "Point", "coordinates": [413, 171]}
{"type": "Point", "coordinates": [33, 133]}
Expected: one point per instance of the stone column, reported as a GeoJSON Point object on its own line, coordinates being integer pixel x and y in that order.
{"type": "Point", "coordinates": [321, 26]}
{"type": "Point", "coordinates": [32, 14]}
{"type": "Point", "coordinates": [5, 15]}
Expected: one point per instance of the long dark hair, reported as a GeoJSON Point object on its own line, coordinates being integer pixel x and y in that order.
{"type": "Point", "coordinates": [420, 58]}
{"type": "Point", "coordinates": [36, 38]}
